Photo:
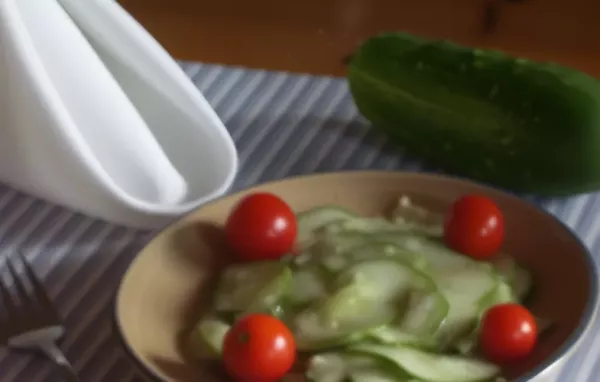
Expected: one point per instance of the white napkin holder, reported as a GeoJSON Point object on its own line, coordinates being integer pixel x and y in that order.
{"type": "Point", "coordinates": [96, 116]}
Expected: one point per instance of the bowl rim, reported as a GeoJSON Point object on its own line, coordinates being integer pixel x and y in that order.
{"type": "Point", "coordinates": [572, 343]}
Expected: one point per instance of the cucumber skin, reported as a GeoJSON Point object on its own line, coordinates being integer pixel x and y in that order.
{"type": "Point", "coordinates": [516, 124]}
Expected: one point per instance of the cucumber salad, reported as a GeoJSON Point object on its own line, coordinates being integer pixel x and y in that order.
{"type": "Point", "coordinates": [412, 296]}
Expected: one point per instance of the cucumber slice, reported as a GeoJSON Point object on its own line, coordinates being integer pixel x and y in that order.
{"type": "Point", "coordinates": [432, 367]}
{"type": "Point", "coordinates": [425, 313]}
{"type": "Point", "coordinates": [375, 375]}
{"type": "Point", "coordinates": [345, 317]}
{"type": "Point", "coordinates": [464, 290]}
{"type": "Point", "coordinates": [366, 251]}
{"type": "Point", "coordinates": [500, 294]}
{"type": "Point", "coordinates": [312, 221]}
{"type": "Point", "coordinates": [335, 244]}
{"type": "Point", "coordinates": [206, 339]}
{"type": "Point", "coordinates": [371, 251]}
{"type": "Point", "coordinates": [380, 279]}
{"type": "Point", "coordinates": [391, 335]}
{"type": "Point", "coordinates": [302, 259]}
{"type": "Point", "coordinates": [253, 287]}
{"type": "Point", "coordinates": [370, 296]}
{"type": "Point", "coordinates": [406, 217]}
{"type": "Point", "coordinates": [379, 226]}
{"type": "Point", "coordinates": [514, 275]}
{"type": "Point", "coordinates": [329, 245]}
{"type": "Point", "coordinates": [391, 281]}
{"type": "Point", "coordinates": [361, 368]}
{"type": "Point", "coordinates": [335, 220]}
{"type": "Point", "coordinates": [348, 304]}
{"type": "Point", "coordinates": [410, 214]}
{"type": "Point", "coordinates": [335, 263]}
{"type": "Point", "coordinates": [466, 345]}
{"type": "Point", "coordinates": [433, 251]}
{"type": "Point", "coordinates": [367, 225]}
{"type": "Point", "coordinates": [307, 286]}
{"type": "Point", "coordinates": [341, 367]}
{"type": "Point", "coordinates": [327, 367]}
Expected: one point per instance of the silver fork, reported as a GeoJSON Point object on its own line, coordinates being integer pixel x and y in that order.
{"type": "Point", "coordinates": [30, 321]}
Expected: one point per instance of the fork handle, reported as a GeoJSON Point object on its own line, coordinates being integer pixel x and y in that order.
{"type": "Point", "coordinates": [68, 373]}
{"type": "Point", "coordinates": [52, 351]}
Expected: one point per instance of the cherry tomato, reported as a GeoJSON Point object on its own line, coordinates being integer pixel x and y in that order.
{"type": "Point", "coordinates": [474, 226]}
{"type": "Point", "coordinates": [508, 332]}
{"type": "Point", "coordinates": [261, 227]}
{"type": "Point", "coordinates": [259, 348]}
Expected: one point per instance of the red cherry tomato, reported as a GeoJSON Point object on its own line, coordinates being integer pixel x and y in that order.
{"type": "Point", "coordinates": [508, 332]}
{"type": "Point", "coordinates": [474, 226]}
{"type": "Point", "coordinates": [259, 348]}
{"type": "Point", "coordinates": [261, 227]}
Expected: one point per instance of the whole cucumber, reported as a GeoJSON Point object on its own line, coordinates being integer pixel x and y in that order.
{"type": "Point", "coordinates": [517, 124]}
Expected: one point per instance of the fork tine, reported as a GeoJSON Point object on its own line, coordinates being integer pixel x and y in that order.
{"type": "Point", "coordinates": [22, 294]}
{"type": "Point", "coordinates": [12, 312]}
{"type": "Point", "coordinates": [38, 290]}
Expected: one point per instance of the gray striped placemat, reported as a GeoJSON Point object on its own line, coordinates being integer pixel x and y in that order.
{"type": "Point", "coordinates": [283, 125]}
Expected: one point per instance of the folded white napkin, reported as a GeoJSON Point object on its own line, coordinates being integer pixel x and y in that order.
{"type": "Point", "coordinates": [96, 116]}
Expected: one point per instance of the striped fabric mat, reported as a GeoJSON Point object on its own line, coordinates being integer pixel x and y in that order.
{"type": "Point", "coordinates": [283, 125]}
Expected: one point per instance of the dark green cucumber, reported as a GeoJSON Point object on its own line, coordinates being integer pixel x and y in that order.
{"type": "Point", "coordinates": [514, 123]}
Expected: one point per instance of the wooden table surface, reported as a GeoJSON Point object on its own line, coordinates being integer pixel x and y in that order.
{"type": "Point", "coordinates": [314, 36]}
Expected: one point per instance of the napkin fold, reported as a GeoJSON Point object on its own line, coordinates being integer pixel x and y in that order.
{"type": "Point", "coordinates": [96, 116]}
